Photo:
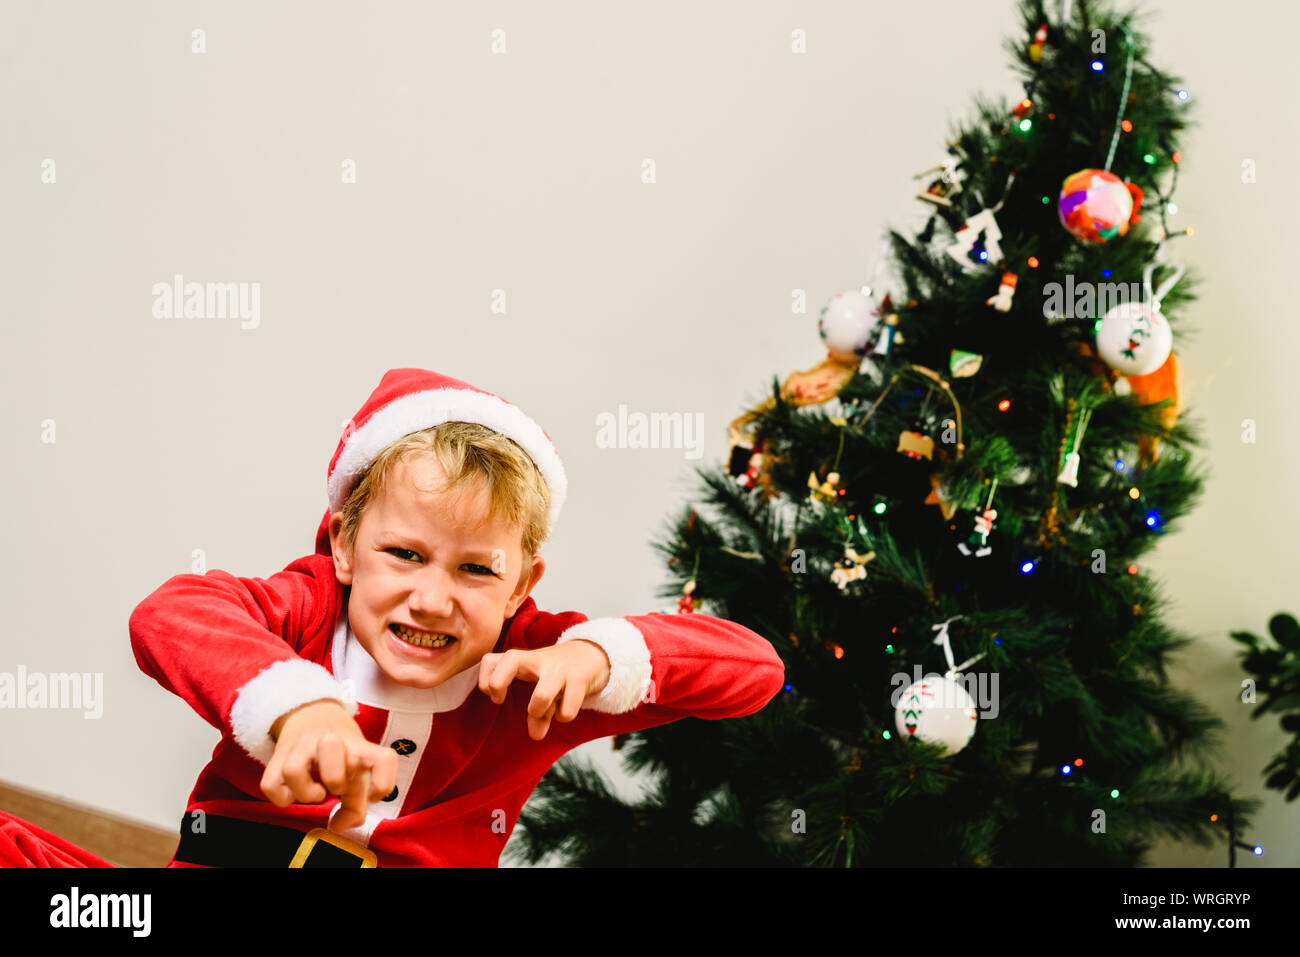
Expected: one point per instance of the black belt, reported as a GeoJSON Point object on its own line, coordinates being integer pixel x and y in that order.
{"type": "Point", "coordinates": [231, 842]}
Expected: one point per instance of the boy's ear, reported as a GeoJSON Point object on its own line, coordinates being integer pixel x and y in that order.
{"type": "Point", "coordinates": [526, 585]}
{"type": "Point", "coordinates": [342, 556]}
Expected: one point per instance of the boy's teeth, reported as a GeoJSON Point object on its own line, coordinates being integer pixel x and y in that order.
{"type": "Point", "coordinates": [422, 640]}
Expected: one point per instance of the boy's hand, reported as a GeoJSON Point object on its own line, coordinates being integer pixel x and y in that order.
{"type": "Point", "coordinates": [322, 737]}
{"type": "Point", "coordinates": [565, 675]}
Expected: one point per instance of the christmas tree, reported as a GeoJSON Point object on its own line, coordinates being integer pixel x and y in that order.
{"type": "Point", "coordinates": [941, 528]}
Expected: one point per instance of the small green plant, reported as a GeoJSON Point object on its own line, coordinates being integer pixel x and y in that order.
{"type": "Point", "coordinates": [1276, 672]}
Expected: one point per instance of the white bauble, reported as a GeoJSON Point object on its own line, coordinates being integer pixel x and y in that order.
{"type": "Point", "coordinates": [1134, 339]}
{"type": "Point", "coordinates": [939, 710]}
{"type": "Point", "coordinates": [847, 324]}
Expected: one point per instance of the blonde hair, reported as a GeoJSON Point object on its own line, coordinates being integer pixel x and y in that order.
{"type": "Point", "coordinates": [466, 451]}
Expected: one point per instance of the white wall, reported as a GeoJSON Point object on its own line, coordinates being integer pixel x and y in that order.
{"type": "Point", "coordinates": [522, 172]}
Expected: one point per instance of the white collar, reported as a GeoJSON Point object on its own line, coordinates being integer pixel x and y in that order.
{"type": "Point", "coordinates": [361, 677]}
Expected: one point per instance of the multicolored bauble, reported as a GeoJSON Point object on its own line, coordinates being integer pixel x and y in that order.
{"type": "Point", "coordinates": [1096, 205]}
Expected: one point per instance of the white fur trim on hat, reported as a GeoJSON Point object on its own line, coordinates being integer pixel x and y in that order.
{"type": "Point", "coordinates": [629, 662]}
{"type": "Point", "coordinates": [282, 687]}
{"type": "Point", "coordinates": [422, 410]}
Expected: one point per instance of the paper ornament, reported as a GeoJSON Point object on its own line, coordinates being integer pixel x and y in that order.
{"type": "Point", "coordinates": [963, 364]}
{"type": "Point", "coordinates": [976, 243]}
{"type": "Point", "coordinates": [1096, 205]}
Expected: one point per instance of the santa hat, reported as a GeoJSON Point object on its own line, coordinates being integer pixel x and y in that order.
{"type": "Point", "coordinates": [410, 400]}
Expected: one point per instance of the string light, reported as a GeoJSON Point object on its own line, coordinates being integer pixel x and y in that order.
{"type": "Point", "coordinates": [886, 735]}
{"type": "Point", "coordinates": [1105, 273]}
{"type": "Point", "coordinates": [1132, 569]}
{"type": "Point", "coordinates": [1182, 95]}
{"type": "Point", "coordinates": [1065, 769]}
{"type": "Point", "coordinates": [1027, 566]}
{"type": "Point", "coordinates": [1078, 762]}
{"type": "Point", "coordinates": [880, 508]}
{"type": "Point", "coordinates": [1127, 126]}
{"type": "Point", "coordinates": [1026, 125]}
{"type": "Point", "coordinates": [1098, 66]}
{"type": "Point", "coordinates": [889, 649]}
{"type": "Point", "coordinates": [1114, 794]}
{"type": "Point", "coordinates": [1004, 405]}
{"type": "Point", "coordinates": [1119, 465]}
{"type": "Point", "coordinates": [1153, 519]}
{"type": "Point", "coordinates": [1133, 492]}
{"type": "Point", "coordinates": [1149, 159]}
{"type": "Point", "coordinates": [1214, 817]}
{"type": "Point", "coordinates": [1033, 262]}
{"type": "Point", "coordinates": [839, 652]}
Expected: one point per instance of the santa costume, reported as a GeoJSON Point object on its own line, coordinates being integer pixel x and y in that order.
{"type": "Point", "coordinates": [244, 651]}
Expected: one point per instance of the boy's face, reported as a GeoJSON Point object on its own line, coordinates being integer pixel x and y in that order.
{"type": "Point", "coordinates": [434, 561]}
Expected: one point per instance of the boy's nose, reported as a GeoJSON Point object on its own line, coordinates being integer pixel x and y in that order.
{"type": "Point", "coordinates": [432, 598]}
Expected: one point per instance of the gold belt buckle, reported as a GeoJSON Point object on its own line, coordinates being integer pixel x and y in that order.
{"type": "Point", "coordinates": [368, 858]}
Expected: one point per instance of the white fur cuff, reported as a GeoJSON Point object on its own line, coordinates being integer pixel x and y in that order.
{"type": "Point", "coordinates": [629, 662]}
{"type": "Point", "coordinates": [282, 687]}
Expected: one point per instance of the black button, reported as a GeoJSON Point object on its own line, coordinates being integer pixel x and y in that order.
{"type": "Point", "coordinates": [392, 795]}
{"type": "Point", "coordinates": [403, 746]}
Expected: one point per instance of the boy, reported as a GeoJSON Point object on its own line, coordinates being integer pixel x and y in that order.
{"type": "Point", "coordinates": [393, 699]}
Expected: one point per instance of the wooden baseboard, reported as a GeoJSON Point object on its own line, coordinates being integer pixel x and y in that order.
{"type": "Point", "coordinates": [117, 839]}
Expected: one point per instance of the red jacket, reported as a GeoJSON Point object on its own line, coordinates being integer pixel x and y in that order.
{"type": "Point", "coordinates": [242, 651]}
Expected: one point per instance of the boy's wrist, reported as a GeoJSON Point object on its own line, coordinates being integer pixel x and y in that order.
{"type": "Point", "coordinates": [604, 658]}
{"type": "Point", "coordinates": [280, 721]}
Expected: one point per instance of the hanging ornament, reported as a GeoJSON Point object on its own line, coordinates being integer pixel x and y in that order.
{"type": "Point", "coordinates": [888, 333]}
{"type": "Point", "coordinates": [846, 324]}
{"type": "Point", "coordinates": [1070, 473]}
{"type": "Point", "coordinates": [827, 491]}
{"type": "Point", "coordinates": [947, 184]}
{"type": "Point", "coordinates": [1134, 337]}
{"type": "Point", "coordinates": [1070, 470]}
{"type": "Point", "coordinates": [964, 364]}
{"type": "Point", "coordinates": [686, 604]}
{"type": "Point", "coordinates": [937, 497]}
{"type": "Point", "coordinates": [749, 461]}
{"type": "Point", "coordinates": [976, 243]}
{"type": "Point", "coordinates": [977, 543]}
{"type": "Point", "coordinates": [915, 444]}
{"type": "Point", "coordinates": [740, 456]}
{"type": "Point", "coordinates": [852, 567]}
{"type": "Point", "coordinates": [1096, 205]}
{"type": "Point", "coordinates": [939, 709]}
{"type": "Point", "coordinates": [1002, 300]}
{"type": "Point", "coordinates": [1036, 48]}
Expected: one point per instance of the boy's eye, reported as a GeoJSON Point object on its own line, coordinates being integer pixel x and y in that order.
{"type": "Point", "coordinates": [406, 551]}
